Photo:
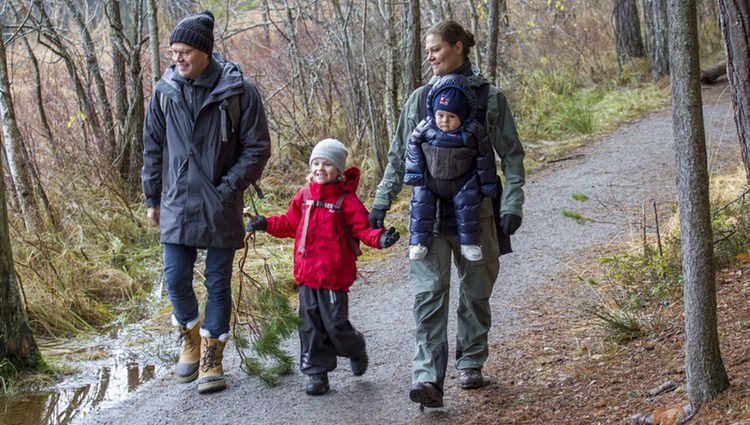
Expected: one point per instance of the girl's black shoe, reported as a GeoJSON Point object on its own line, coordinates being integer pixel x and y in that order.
{"type": "Point", "coordinates": [317, 384]}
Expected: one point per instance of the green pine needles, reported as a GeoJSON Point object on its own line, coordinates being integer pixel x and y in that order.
{"type": "Point", "coordinates": [263, 318]}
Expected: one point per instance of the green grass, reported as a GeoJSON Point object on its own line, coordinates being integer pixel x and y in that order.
{"type": "Point", "coordinates": [580, 197]}
{"type": "Point", "coordinates": [576, 216]}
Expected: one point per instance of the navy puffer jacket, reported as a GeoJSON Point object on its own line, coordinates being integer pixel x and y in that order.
{"type": "Point", "coordinates": [444, 161]}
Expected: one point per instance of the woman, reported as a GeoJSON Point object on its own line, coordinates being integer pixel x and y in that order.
{"type": "Point", "coordinates": [448, 45]}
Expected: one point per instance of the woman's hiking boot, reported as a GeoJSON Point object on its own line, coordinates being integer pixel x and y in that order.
{"type": "Point", "coordinates": [471, 378]}
{"type": "Point", "coordinates": [317, 384]}
{"type": "Point", "coordinates": [426, 394]}
{"type": "Point", "coordinates": [211, 373]}
{"type": "Point", "coordinates": [359, 365]}
{"type": "Point", "coordinates": [190, 351]}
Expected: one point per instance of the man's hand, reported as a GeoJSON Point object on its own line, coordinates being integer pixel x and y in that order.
{"type": "Point", "coordinates": [510, 223]}
{"type": "Point", "coordinates": [153, 215]}
{"type": "Point", "coordinates": [377, 217]}
{"type": "Point", "coordinates": [389, 237]}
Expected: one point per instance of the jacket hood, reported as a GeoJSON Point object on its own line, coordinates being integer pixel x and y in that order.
{"type": "Point", "coordinates": [468, 70]}
{"type": "Point", "coordinates": [456, 81]}
{"type": "Point", "coordinates": [349, 183]}
{"type": "Point", "coordinates": [351, 177]}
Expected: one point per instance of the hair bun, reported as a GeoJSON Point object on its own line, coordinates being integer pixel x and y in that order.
{"type": "Point", "coordinates": [470, 42]}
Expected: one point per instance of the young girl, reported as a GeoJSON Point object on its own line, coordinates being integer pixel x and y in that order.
{"type": "Point", "coordinates": [324, 217]}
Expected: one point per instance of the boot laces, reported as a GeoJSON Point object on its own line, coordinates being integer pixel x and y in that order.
{"type": "Point", "coordinates": [209, 358]}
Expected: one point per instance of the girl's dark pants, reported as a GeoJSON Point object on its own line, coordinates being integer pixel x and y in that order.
{"type": "Point", "coordinates": [326, 332]}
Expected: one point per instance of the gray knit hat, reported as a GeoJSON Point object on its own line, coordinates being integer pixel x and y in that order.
{"type": "Point", "coordinates": [196, 31]}
{"type": "Point", "coordinates": [331, 150]}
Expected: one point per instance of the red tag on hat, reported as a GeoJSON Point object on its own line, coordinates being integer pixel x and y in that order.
{"type": "Point", "coordinates": [444, 101]}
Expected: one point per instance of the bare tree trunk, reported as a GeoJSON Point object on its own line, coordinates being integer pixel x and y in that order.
{"type": "Point", "coordinates": [343, 25]}
{"type": "Point", "coordinates": [119, 83]}
{"type": "Point", "coordinates": [705, 371]}
{"type": "Point", "coordinates": [628, 41]}
{"type": "Point", "coordinates": [735, 28]}
{"type": "Point", "coordinates": [43, 121]}
{"type": "Point", "coordinates": [153, 42]}
{"type": "Point", "coordinates": [133, 136]}
{"type": "Point", "coordinates": [494, 35]}
{"type": "Point", "coordinates": [39, 191]}
{"type": "Point", "coordinates": [379, 150]}
{"type": "Point", "coordinates": [414, 46]}
{"type": "Point", "coordinates": [475, 30]}
{"type": "Point", "coordinates": [57, 46]}
{"type": "Point", "coordinates": [655, 17]}
{"type": "Point", "coordinates": [17, 343]}
{"type": "Point", "coordinates": [435, 12]}
{"type": "Point", "coordinates": [93, 69]}
{"type": "Point", "coordinates": [392, 109]}
{"type": "Point", "coordinates": [18, 167]}
{"type": "Point", "coordinates": [294, 55]}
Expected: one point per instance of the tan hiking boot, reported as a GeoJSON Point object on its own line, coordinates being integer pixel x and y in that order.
{"type": "Point", "coordinates": [190, 351]}
{"type": "Point", "coordinates": [211, 373]}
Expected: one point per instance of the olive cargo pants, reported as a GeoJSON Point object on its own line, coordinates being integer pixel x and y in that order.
{"type": "Point", "coordinates": [430, 282]}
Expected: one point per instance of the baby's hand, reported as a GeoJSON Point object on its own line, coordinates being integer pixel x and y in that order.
{"type": "Point", "coordinates": [389, 237]}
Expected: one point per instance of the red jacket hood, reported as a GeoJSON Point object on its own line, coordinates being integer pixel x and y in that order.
{"type": "Point", "coordinates": [348, 183]}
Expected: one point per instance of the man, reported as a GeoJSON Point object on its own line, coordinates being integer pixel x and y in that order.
{"type": "Point", "coordinates": [205, 141]}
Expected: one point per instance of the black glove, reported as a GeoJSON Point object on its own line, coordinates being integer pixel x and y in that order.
{"type": "Point", "coordinates": [257, 223]}
{"type": "Point", "coordinates": [389, 237]}
{"type": "Point", "coordinates": [377, 217]}
{"type": "Point", "coordinates": [510, 223]}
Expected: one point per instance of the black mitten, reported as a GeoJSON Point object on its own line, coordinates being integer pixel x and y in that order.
{"type": "Point", "coordinates": [510, 223]}
{"type": "Point", "coordinates": [389, 237]}
{"type": "Point", "coordinates": [377, 217]}
{"type": "Point", "coordinates": [257, 223]}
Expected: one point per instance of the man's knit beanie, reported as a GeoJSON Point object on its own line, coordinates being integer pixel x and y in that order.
{"type": "Point", "coordinates": [195, 31]}
{"type": "Point", "coordinates": [331, 150]}
{"type": "Point", "coordinates": [452, 99]}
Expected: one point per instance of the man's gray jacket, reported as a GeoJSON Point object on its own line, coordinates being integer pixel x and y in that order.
{"type": "Point", "coordinates": [197, 163]}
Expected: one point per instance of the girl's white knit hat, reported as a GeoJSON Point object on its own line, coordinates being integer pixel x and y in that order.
{"type": "Point", "coordinates": [331, 150]}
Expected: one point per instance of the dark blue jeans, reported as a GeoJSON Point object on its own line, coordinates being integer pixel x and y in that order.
{"type": "Point", "coordinates": [179, 261]}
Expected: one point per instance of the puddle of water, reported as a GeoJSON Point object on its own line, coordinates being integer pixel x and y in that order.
{"type": "Point", "coordinates": [62, 406]}
{"type": "Point", "coordinates": [117, 364]}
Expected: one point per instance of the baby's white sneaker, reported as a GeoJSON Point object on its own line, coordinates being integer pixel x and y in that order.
{"type": "Point", "coordinates": [472, 252]}
{"type": "Point", "coordinates": [417, 252]}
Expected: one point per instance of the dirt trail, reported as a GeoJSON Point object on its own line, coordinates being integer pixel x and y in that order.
{"type": "Point", "coordinates": [617, 174]}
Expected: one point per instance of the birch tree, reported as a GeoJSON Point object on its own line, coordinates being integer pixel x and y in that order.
{"type": "Point", "coordinates": [18, 168]}
{"type": "Point", "coordinates": [17, 343]}
{"type": "Point", "coordinates": [153, 42]}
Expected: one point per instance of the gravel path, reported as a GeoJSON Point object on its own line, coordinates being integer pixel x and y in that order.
{"type": "Point", "coordinates": [617, 174]}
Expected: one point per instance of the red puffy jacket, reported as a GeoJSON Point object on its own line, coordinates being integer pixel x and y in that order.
{"type": "Point", "coordinates": [328, 260]}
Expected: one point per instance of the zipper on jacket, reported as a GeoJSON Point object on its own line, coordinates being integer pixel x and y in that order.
{"type": "Point", "coordinates": [223, 114]}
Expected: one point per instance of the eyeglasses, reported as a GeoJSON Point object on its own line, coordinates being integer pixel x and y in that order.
{"type": "Point", "coordinates": [177, 54]}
